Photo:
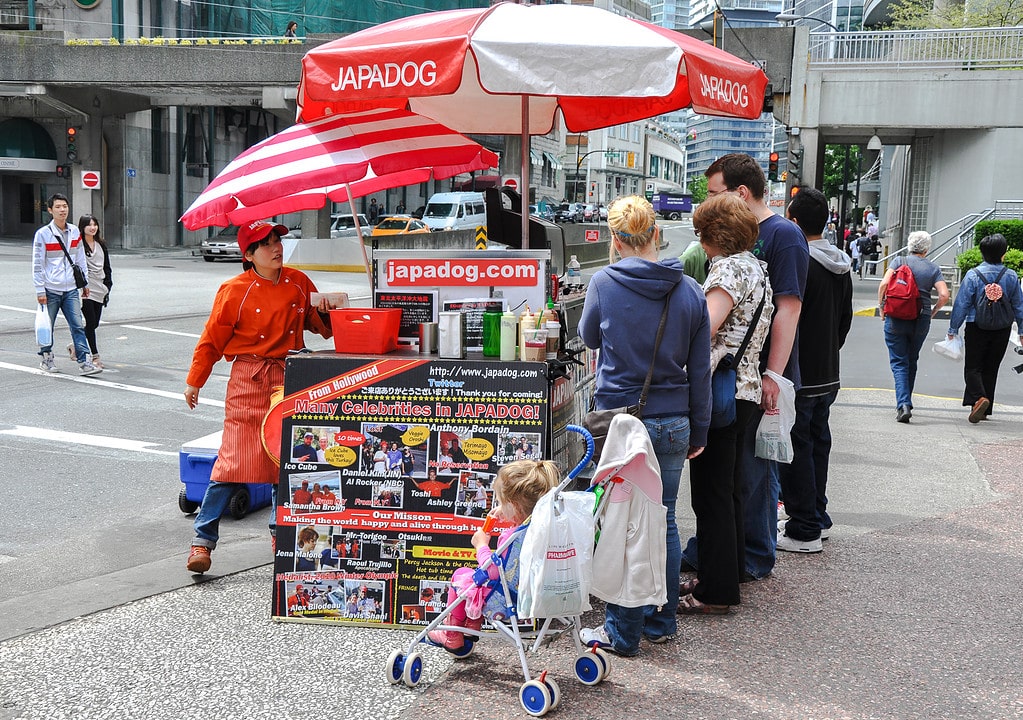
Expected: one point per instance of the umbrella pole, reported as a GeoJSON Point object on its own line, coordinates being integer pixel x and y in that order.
{"type": "Point", "coordinates": [524, 177]}
{"type": "Point", "coordinates": [362, 241]}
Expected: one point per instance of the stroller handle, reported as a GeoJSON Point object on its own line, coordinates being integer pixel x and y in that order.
{"type": "Point", "coordinates": [589, 449]}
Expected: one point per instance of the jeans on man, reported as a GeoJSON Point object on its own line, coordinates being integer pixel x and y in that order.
{"type": "Point", "coordinates": [760, 504]}
{"type": "Point", "coordinates": [214, 504]}
{"type": "Point", "coordinates": [70, 304]}
{"type": "Point", "coordinates": [625, 626]}
{"type": "Point", "coordinates": [904, 339]}
{"type": "Point", "coordinates": [804, 481]}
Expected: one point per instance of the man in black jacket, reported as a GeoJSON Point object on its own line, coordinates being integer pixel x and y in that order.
{"type": "Point", "coordinates": [823, 326]}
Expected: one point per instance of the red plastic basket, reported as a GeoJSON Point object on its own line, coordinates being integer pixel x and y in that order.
{"type": "Point", "coordinates": [372, 331]}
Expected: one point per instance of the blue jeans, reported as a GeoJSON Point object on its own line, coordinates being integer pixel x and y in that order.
{"type": "Point", "coordinates": [625, 626]}
{"type": "Point", "coordinates": [214, 504]}
{"type": "Point", "coordinates": [760, 504]}
{"type": "Point", "coordinates": [904, 339]}
{"type": "Point", "coordinates": [804, 482]}
{"type": "Point", "coordinates": [70, 304]}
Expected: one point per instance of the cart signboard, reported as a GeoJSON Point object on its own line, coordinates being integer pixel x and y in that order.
{"type": "Point", "coordinates": [387, 469]}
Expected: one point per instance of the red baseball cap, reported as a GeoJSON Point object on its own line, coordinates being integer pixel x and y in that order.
{"type": "Point", "coordinates": [254, 232]}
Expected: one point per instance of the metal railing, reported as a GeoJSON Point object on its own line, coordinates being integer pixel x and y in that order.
{"type": "Point", "coordinates": [946, 49]}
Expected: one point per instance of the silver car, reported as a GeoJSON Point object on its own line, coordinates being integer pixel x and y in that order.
{"type": "Point", "coordinates": [342, 225]}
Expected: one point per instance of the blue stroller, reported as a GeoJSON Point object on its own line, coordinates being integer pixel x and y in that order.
{"type": "Point", "coordinates": [540, 695]}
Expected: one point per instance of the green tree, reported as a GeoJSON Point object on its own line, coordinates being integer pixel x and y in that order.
{"type": "Point", "coordinates": [925, 14]}
{"type": "Point", "coordinates": [834, 177]}
{"type": "Point", "coordinates": [698, 188]}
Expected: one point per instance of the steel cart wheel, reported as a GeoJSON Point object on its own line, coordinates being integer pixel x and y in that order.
{"type": "Point", "coordinates": [239, 505]}
{"type": "Point", "coordinates": [412, 673]}
{"type": "Point", "coordinates": [535, 698]}
{"type": "Point", "coordinates": [589, 668]}
{"type": "Point", "coordinates": [394, 667]}
{"type": "Point", "coordinates": [185, 505]}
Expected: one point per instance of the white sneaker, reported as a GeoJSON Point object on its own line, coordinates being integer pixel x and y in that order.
{"type": "Point", "coordinates": [799, 546]}
{"type": "Point", "coordinates": [47, 364]}
{"type": "Point", "coordinates": [825, 532]}
{"type": "Point", "coordinates": [595, 636]}
{"type": "Point", "coordinates": [89, 369]}
{"type": "Point", "coordinates": [782, 515]}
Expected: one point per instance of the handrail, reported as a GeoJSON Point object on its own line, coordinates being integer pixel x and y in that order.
{"type": "Point", "coordinates": [946, 49]}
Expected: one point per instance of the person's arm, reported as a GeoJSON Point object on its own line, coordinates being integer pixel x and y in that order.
{"type": "Point", "coordinates": [882, 289]}
{"type": "Point", "coordinates": [942, 287]}
{"type": "Point", "coordinates": [961, 305]}
{"type": "Point", "coordinates": [845, 319]}
{"type": "Point", "coordinates": [783, 334]}
{"type": "Point", "coordinates": [719, 306]}
{"type": "Point", "coordinates": [38, 267]}
{"type": "Point", "coordinates": [81, 262]}
{"type": "Point", "coordinates": [210, 348]}
{"type": "Point", "coordinates": [589, 321]}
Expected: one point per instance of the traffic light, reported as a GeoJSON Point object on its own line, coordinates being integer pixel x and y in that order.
{"type": "Point", "coordinates": [796, 165]}
{"type": "Point", "coordinates": [772, 167]}
{"type": "Point", "coordinates": [62, 171]}
{"type": "Point", "coordinates": [72, 147]}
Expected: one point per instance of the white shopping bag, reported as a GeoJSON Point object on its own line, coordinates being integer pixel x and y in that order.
{"type": "Point", "coordinates": [951, 348]}
{"type": "Point", "coordinates": [773, 441]}
{"type": "Point", "coordinates": [44, 331]}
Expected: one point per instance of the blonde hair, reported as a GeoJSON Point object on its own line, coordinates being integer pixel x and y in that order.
{"type": "Point", "coordinates": [632, 220]}
{"type": "Point", "coordinates": [523, 482]}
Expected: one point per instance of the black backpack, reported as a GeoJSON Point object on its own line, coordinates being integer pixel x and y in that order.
{"type": "Point", "coordinates": [993, 311]}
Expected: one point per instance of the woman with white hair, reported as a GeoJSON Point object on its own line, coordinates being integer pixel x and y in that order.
{"type": "Point", "coordinates": [905, 337]}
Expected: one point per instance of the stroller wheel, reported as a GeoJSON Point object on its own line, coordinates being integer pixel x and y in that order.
{"type": "Point", "coordinates": [395, 665]}
{"type": "Point", "coordinates": [535, 698]}
{"type": "Point", "coordinates": [412, 673]}
{"type": "Point", "coordinates": [605, 660]}
{"type": "Point", "coordinates": [589, 668]}
{"type": "Point", "coordinates": [555, 691]}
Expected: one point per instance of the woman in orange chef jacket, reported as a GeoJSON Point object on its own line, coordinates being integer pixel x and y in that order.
{"type": "Point", "coordinates": [257, 317]}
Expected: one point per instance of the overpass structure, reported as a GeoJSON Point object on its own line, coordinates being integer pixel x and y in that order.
{"type": "Point", "coordinates": [158, 119]}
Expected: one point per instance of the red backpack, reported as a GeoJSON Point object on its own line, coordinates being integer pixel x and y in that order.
{"type": "Point", "coordinates": [902, 298]}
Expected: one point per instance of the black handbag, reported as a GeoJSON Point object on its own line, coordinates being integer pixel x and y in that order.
{"type": "Point", "coordinates": [597, 422]}
{"type": "Point", "coordinates": [80, 279]}
{"type": "Point", "coordinates": [722, 382]}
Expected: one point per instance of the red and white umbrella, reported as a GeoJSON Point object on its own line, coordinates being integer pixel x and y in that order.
{"type": "Point", "coordinates": [339, 157]}
{"type": "Point", "coordinates": [510, 68]}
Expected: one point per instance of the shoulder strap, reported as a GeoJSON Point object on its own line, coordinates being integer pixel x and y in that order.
{"type": "Point", "coordinates": [1000, 273]}
{"type": "Point", "coordinates": [57, 238]}
{"type": "Point", "coordinates": [752, 326]}
{"type": "Point", "coordinates": [657, 344]}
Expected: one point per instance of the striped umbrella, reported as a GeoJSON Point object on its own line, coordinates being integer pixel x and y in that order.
{"type": "Point", "coordinates": [338, 157]}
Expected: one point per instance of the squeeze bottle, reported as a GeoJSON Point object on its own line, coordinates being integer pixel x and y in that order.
{"type": "Point", "coordinates": [508, 333]}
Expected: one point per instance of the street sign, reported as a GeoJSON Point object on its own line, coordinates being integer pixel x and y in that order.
{"type": "Point", "coordinates": [481, 237]}
{"type": "Point", "coordinates": [511, 183]}
{"type": "Point", "coordinates": [131, 172]}
{"type": "Point", "coordinates": [90, 180]}
{"type": "Point", "coordinates": [592, 235]}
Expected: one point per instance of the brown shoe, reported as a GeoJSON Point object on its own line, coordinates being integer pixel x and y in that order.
{"type": "Point", "coordinates": [979, 410]}
{"type": "Point", "coordinates": [199, 559]}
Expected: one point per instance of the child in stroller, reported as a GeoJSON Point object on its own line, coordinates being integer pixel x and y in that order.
{"type": "Point", "coordinates": [517, 488]}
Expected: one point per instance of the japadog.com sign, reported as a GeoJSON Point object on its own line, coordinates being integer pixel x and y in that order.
{"type": "Point", "coordinates": [411, 272]}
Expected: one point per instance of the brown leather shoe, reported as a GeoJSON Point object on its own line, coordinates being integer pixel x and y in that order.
{"type": "Point", "coordinates": [979, 410]}
{"type": "Point", "coordinates": [199, 560]}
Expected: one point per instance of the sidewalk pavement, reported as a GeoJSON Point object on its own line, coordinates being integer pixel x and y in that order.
{"type": "Point", "coordinates": [913, 610]}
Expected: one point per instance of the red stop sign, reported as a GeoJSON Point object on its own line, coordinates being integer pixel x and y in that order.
{"type": "Point", "coordinates": [90, 179]}
{"type": "Point", "coordinates": [512, 183]}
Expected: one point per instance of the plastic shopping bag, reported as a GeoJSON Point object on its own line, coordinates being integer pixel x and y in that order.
{"type": "Point", "coordinates": [952, 348]}
{"type": "Point", "coordinates": [773, 440]}
{"type": "Point", "coordinates": [556, 561]}
{"type": "Point", "coordinates": [44, 330]}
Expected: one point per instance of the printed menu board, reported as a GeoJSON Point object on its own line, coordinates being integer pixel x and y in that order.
{"type": "Point", "coordinates": [387, 468]}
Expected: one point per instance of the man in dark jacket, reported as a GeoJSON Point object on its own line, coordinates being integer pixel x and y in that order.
{"type": "Point", "coordinates": [823, 326]}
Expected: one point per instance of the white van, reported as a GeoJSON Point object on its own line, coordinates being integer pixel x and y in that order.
{"type": "Point", "coordinates": [455, 211]}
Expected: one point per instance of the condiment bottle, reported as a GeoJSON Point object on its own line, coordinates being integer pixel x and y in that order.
{"type": "Point", "coordinates": [508, 332]}
{"type": "Point", "coordinates": [553, 325]}
{"type": "Point", "coordinates": [526, 319]}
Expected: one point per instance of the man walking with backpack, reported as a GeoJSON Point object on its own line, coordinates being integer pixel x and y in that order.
{"type": "Point", "coordinates": [904, 297]}
{"type": "Point", "coordinates": [988, 301]}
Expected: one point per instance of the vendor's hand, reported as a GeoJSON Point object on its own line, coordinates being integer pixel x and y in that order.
{"type": "Point", "coordinates": [480, 539]}
{"type": "Point", "coordinates": [694, 450]}
{"type": "Point", "coordinates": [324, 305]}
{"type": "Point", "coordinates": [191, 396]}
{"type": "Point", "coordinates": [769, 393]}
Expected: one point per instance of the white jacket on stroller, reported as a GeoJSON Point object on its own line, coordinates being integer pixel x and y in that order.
{"type": "Point", "coordinates": [631, 553]}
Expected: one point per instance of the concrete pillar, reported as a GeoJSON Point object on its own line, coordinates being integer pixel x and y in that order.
{"type": "Point", "coordinates": [90, 156]}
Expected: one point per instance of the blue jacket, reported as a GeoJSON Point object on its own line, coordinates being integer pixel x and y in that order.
{"type": "Point", "coordinates": [620, 317]}
{"type": "Point", "coordinates": [963, 310]}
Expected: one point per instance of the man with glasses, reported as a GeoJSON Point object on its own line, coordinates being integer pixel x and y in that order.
{"type": "Point", "coordinates": [783, 247]}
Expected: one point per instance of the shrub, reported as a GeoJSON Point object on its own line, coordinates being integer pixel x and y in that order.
{"type": "Point", "coordinates": [1011, 229]}
{"type": "Point", "coordinates": [972, 258]}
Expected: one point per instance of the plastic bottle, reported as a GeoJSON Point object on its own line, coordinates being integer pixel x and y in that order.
{"type": "Point", "coordinates": [553, 325]}
{"type": "Point", "coordinates": [575, 278]}
{"type": "Point", "coordinates": [509, 330]}
{"type": "Point", "coordinates": [526, 319]}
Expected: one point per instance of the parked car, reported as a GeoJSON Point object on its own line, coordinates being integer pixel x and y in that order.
{"type": "Point", "coordinates": [222, 246]}
{"type": "Point", "coordinates": [544, 213]}
{"type": "Point", "coordinates": [569, 212]}
{"type": "Point", "coordinates": [588, 213]}
{"type": "Point", "coordinates": [342, 225]}
{"type": "Point", "coordinates": [400, 225]}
